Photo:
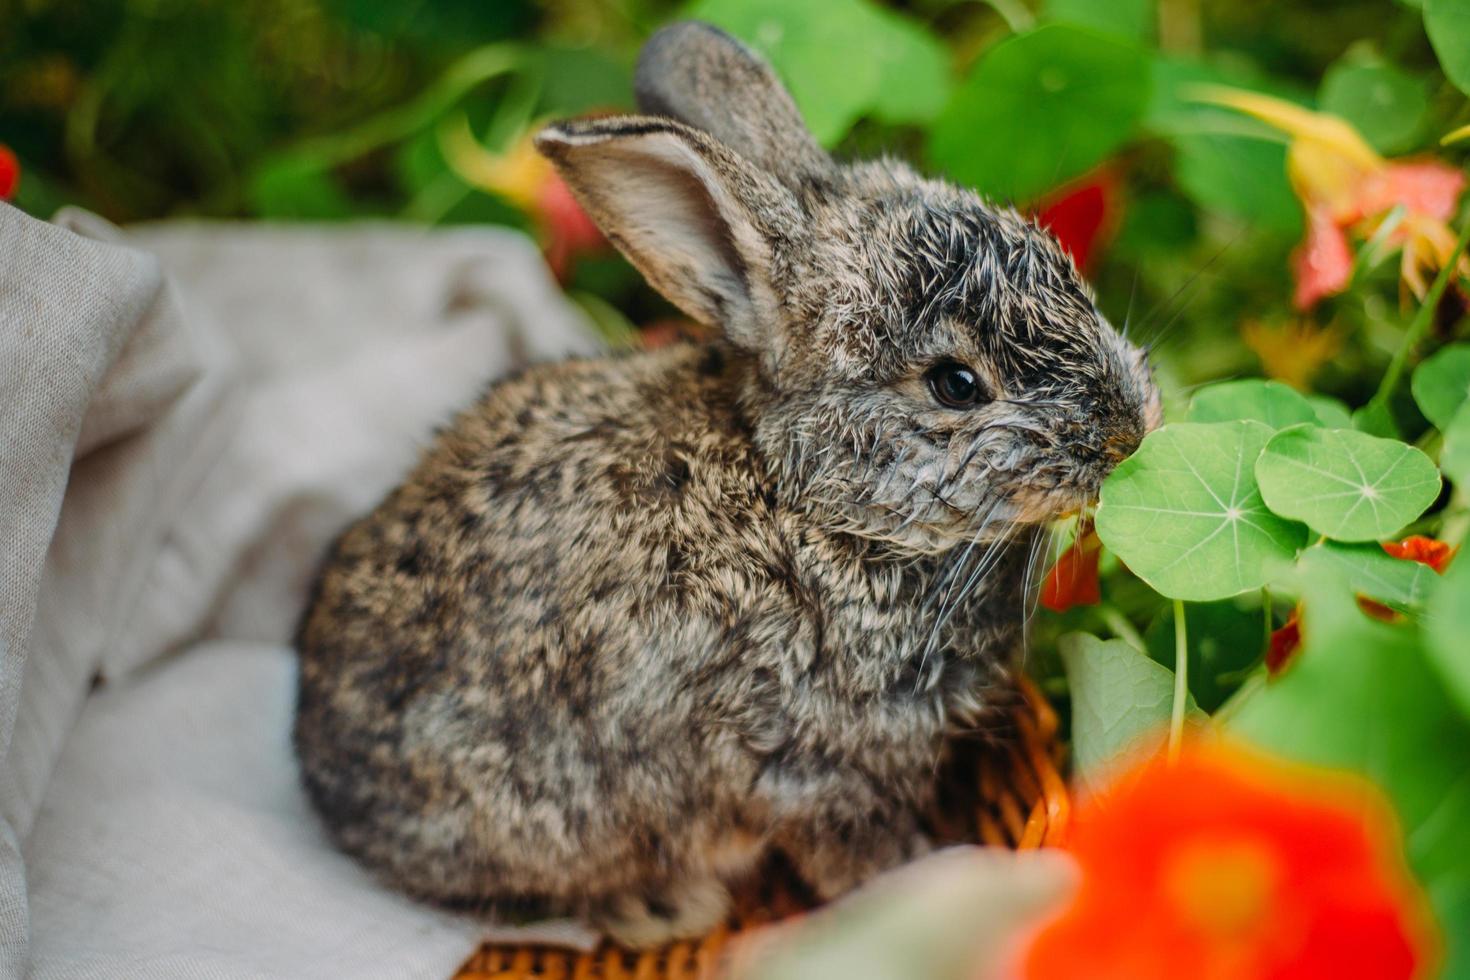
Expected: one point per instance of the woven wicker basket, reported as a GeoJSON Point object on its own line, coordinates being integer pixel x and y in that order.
{"type": "Point", "coordinates": [1008, 793]}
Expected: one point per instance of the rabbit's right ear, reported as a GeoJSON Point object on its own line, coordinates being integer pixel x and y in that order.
{"type": "Point", "coordinates": [699, 75]}
{"type": "Point", "coordinates": [699, 222]}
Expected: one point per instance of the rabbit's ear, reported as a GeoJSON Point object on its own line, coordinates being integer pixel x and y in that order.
{"type": "Point", "coordinates": [702, 76]}
{"type": "Point", "coordinates": [693, 217]}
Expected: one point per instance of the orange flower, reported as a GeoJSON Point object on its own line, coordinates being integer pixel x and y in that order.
{"type": "Point", "coordinates": [526, 179]}
{"type": "Point", "coordinates": [9, 173]}
{"type": "Point", "coordinates": [1345, 185]}
{"type": "Point", "coordinates": [1226, 865]}
{"type": "Point", "coordinates": [1426, 551]}
{"type": "Point", "coordinates": [1073, 579]}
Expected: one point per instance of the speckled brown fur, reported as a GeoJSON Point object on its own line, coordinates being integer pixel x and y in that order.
{"type": "Point", "coordinates": [633, 622]}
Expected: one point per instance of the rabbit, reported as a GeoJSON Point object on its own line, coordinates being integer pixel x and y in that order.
{"type": "Point", "coordinates": [636, 623]}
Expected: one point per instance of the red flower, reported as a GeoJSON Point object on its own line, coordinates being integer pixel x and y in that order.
{"type": "Point", "coordinates": [565, 227]}
{"type": "Point", "coordinates": [1345, 186]}
{"type": "Point", "coordinates": [1079, 215]}
{"type": "Point", "coordinates": [9, 173]}
{"type": "Point", "coordinates": [1226, 866]}
{"type": "Point", "coordinates": [1073, 580]}
{"type": "Point", "coordinates": [1284, 643]}
{"type": "Point", "coordinates": [1323, 264]}
{"type": "Point", "coordinates": [1426, 551]}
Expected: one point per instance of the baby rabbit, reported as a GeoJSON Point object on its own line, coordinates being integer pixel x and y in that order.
{"type": "Point", "coordinates": [634, 622]}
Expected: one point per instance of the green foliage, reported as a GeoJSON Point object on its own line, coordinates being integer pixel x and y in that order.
{"type": "Point", "coordinates": [1127, 18]}
{"type": "Point", "coordinates": [1269, 402]}
{"type": "Point", "coordinates": [1454, 457]}
{"type": "Point", "coordinates": [1120, 698]}
{"type": "Point", "coordinates": [1362, 696]}
{"type": "Point", "coordinates": [1225, 641]}
{"type": "Point", "coordinates": [1447, 629]}
{"type": "Point", "coordinates": [1075, 93]}
{"type": "Point", "coordinates": [1368, 570]}
{"type": "Point", "coordinates": [1441, 383]}
{"type": "Point", "coordinates": [841, 58]}
{"type": "Point", "coordinates": [1186, 515]}
{"type": "Point", "coordinates": [1386, 104]}
{"type": "Point", "coordinates": [1346, 485]}
{"type": "Point", "coordinates": [1448, 24]}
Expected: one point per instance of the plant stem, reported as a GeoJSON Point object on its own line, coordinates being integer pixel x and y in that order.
{"type": "Point", "coordinates": [1419, 326]}
{"type": "Point", "coordinates": [1181, 681]}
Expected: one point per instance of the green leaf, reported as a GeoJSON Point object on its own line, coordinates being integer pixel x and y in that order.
{"type": "Point", "coordinates": [1121, 700]}
{"type": "Point", "coordinates": [1344, 484]}
{"type": "Point", "coordinates": [1448, 24]}
{"type": "Point", "coordinates": [1360, 695]}
{"type": "Point", "coordinates": [1224, 162]}
{"type": "Point", "coordinates": [1385, 104]}
{"type": "Point", "coordinates": [1370, 571]}
{"type": "Point", "coordinates": [1185, 514]}
{"type": "Point", "coordinates": [298, 190]}
{"type": "Point", "coordinates": [1270, 402]}
{"type": "Point", "coordinates": [840, 58]}
{"type": "Point", "coordinates": [1442, 384]}
{"type": "Point", "coordinates": [1039, 109]}
{"type": "Point", "coordinates": [1330, 412]}
{"type": "Point", "coordinates": [1454, 456]}
{"type": "Point", "coordinates": [1447, 630]}
{"type": "Point", "coordinates": [1225, 642]}
{"type": "Point", "coordinates": [914, 71]}
{"type": "Point", "coordinates": [1132, 19]}
{"type": "Point", "coordinates": [1376, 419]}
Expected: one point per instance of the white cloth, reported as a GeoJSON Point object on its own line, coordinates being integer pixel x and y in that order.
{"type": "Point", "coordinates": [187, 414]}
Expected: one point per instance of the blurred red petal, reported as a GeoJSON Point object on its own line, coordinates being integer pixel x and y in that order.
{"type": "Point", "coordinates": [1323, 263]}
{"type": "Point", "coordinates": [1425, 187]}
{"type": "Point", "coordinates": [9, 173]}
{"type": "Point", "coordinates": [563, 217]}
{"type": "Point", "coordinates": [1078, 216]}
{"type": "Point", "coordinates": [1425, 551]}
{"type": "Point", "coordinates": [1073, 580]}
{"type": "Point", "coordinates": [1284, 643]}
{"type": "Point", "coordinates": [1225, 864]}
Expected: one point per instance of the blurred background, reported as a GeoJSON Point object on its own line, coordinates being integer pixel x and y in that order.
{"type": "Point", "coordinates": [1080, 110]}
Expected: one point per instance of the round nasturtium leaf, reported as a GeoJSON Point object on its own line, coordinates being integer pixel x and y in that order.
{"type": "Point", "coordinates": [1454, 455]}
{"type": "Point", "coordinates": [1383, 102]}
{"type": "Point", "coordinates": [1447, 22]}
{"type": "Point", "coordinates": [1041, 108]}
{"type": "Point", "coordinates": [1346, 485]}
{"type": "Point", "coordinates": [1270, 402]}
{"type": "Point", "coordinates": [1442, 384]}
{"type": "Point", "coordinates": [1185, 514]}
{"type": "Point", "coordinates": [1331, 412]}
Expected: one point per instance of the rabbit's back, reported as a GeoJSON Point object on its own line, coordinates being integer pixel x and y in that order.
{"type": "Point", "coordinates": [528, 658]}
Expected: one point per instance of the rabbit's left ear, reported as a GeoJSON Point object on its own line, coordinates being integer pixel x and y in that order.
{"type": "Point", "coordinates": [699, 222]}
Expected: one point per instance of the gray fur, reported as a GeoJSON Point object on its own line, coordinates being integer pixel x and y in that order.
{"type": "Point", "coordinates": [634, 622]}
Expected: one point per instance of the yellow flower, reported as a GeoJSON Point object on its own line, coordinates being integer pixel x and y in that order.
{"type": "Point", "coordinates": [1345, 185]}
{"type": "Point", "coordinates": [1292, 352]}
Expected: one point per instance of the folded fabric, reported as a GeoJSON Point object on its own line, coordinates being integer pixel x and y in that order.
{"type": "Point", "coordinates": [190, 412]}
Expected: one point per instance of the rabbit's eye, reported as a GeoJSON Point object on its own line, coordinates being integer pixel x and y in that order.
{"type": "Point", "coordinates": [954, 385]}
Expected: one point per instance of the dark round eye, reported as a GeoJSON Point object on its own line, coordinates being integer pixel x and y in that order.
{"type": "Point", "coordinates": [954, 385]}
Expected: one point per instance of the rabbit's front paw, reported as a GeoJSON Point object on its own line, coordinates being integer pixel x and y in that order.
{"type": "Point", "coordinates": [680, 910]}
